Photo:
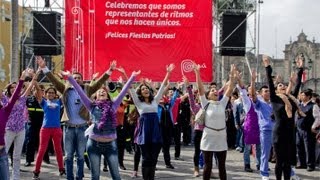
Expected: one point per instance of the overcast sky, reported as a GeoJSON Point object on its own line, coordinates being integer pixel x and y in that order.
{"type": "Point", "coordinates": [279, 20]}
{"type": "Point", "coordinates": [282, 19]}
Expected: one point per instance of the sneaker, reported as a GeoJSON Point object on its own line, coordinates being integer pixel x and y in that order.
{"type": "Point", "coordinates": [62, 172]}
{"type": "Point", "coordinates": [248, 169]}
{"type": "Point", "coordinates": [35, 176]}
{"type": "Point", "coordinates": [238, 149]}
{"type": "Point", "coordinates": [105, 169]}
{"type": "Point", "coordinates": [294, 177]}
{"type": "Point", "coordinates": [265, 178]}
{"type": "Point", "coordinates": [258, 167]}
{"type": "Point", "coordinates": [134, 174]}
{"type": "Point", "coordinates": [27, 164]}
{"type": "Point", "coordinates": [169, 166]}
{"type": "Point", "coordinates": [178, 158]}
{"type": "Point", "coordinates": [309, 169]}
{"type": "Point", "coordinates": [122, 167]}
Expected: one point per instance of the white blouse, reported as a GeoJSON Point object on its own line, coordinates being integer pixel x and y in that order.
{"type": "Point", "coordinates": [213, 140]}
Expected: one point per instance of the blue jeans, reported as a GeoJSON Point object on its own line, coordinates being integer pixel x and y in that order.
{"type": "Point", "coordinates": [266, 143]}
{"type": "Point", "coordinates": [74, 142]}
{"type": "Point", "coordinates": [4, 164]}
{"type": "Point", "coordinates": [110, 151]}
{"type": "Point", "coordinates": [239, 138]}
{"type": "Point", "coordinates": [246, 154]}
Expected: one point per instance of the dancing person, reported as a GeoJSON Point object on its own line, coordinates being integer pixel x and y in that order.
{"type": "Point", "coordinates": [102, 133]}
{"type": "Point", "coordinates": [214, 137]}
{"type": "Point", "coordinates": [149, 136]}
{"type": "Point", "coordinates": [75, 116]}
{"type": "Point", "coordinates": [5, 111]}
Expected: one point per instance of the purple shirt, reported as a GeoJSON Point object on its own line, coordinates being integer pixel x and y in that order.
{"type": "Point", "coordinates": [6, 110]}
{"type": "Point", "coordinates": [18, 116]}
{"type": "Point", "coordinates": [87, 102]}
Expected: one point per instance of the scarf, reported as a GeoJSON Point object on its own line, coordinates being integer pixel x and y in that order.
{"type": "Point", "coordinates": [107, 113]}
{"type": "Point", "coordinates": [288, 106]}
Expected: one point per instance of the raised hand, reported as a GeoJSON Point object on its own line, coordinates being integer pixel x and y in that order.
{"type": "Point", "coordinates": [120, 69]}
{"type": "Point", "coordinates": [65, 73]}
{"type": "Point", "coordinates": [136, 73]}
{"type": "Point", "coordinates": [265, 60]}
{"type": "Point", "coordinates": [233, 73]}
{"type": "Point", "coordinates": [120, 80]}
{"type": "Point", "coordinates": [170, 68]}
{"type": "Point", "coordinates": [113, 65]}
{"type": "Point", "coordinates": [196, 67]}
{"type": "Point", "coordinates": [293, 77]}
{"type": "Point", "coordinates": [95, 75]}
{"type": "Point", "coordinates": [23, 75]}
{"type": "Point", "coordinates": [253, 75]}
{"type": "Point", "coordinates": [41, 62]}
{"type": "Point", "coordinates": [149, 81]}
{"type": "Point", "coordinates": [185, 81]}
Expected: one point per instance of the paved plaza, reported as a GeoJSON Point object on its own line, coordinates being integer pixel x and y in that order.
{"type": "Point", "coordinates": [183, 169]}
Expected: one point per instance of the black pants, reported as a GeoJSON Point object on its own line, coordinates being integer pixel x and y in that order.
{"type": "Point", "coordinates": [186, 130]}
{"type": "Point", "coordinates": [137, 156]}
{"type": "Point", "coordinates": [221, 158]}
{"type": "Point", "coordinates": [283, 154]}
{"type": "Point", "coordinates": [306, 143]}
{"type": "Point", "coordinates": [177, 140]}
{"type": "Point", "coordinates": [150, 153]}
{"type": "Point", "coordinates": [121, 143]}
{"type": "Point", "coordinates": [197, 141]}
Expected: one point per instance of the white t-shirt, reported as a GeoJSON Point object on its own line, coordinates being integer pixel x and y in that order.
{"type": "Point", "coordinates": [213, 140]}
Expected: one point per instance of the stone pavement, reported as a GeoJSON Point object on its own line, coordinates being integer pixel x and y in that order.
{"type": "Point", "coordinates": [183, 169]}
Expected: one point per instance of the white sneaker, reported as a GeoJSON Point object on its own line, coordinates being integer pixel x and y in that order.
{"type": "Point", "coordinates": [265, 178]}
{"type": "Point", "coordinates": [294, 177]}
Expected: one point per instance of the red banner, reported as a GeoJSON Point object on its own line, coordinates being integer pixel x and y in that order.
{"type": "Point", "coordinates": [141, 35]}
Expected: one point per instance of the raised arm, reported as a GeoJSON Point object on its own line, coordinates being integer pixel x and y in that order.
{"type": "Point", "coordinates": [299, 64]}
{"type": "Point", "coordinates": [164, 83]}
{"type": "Point", "coordinates": [232, 79]}
{"type": "Point", "coordinates": [124, 90]}
{"type": "Point", "coordinates": [84, 98]}
{"type": "Point", "coordinates": [196, 68]}
{"type": "Point", "coordinates": [52, 78]}
{"type": "Point", "coordinates": [15, 95]}
{"type": "Point", "coordinates": [266, 62]}
{"type": "Point", "coordinates": [292, 81]}
{"type": "Point", "coordinates": [94, 86]}
{"type": "Point", "coordinates": [253, 85]}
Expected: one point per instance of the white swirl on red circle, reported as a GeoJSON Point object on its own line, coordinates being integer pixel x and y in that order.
{"type": "Point", "coordinates": [187, 65]}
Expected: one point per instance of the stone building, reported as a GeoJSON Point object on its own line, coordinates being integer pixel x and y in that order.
{"type": "Point", "coordinates": [311, 53]}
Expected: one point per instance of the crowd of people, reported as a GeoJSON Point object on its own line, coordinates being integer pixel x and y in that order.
{"type": "Point", "coordinates": [96, 123]}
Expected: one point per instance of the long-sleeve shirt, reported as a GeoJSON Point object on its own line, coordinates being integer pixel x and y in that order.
{"type": "Point", "coordinates": [194, 108]}
{"type": "Point", "coordinates": [264, 111]}
{"type": "Point", "coordinates": [18, 116]}
{"type": "Point", "coordinates": [6, 110]}
{"type": "Point", "coordinates": [316, 114]}
{"type": "Point", "coordinates": [169, 106]}
{"type": "Point", "coordinates": [109, 131]}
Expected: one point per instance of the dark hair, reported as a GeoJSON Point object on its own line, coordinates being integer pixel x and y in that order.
{"type": "Point", "coordinates": [318, 101]}
{"type": "Point", "coordinates": [77, 73]}
{"type": "Point", "coordinates": [315, 95]}
{"type": "Point", "coordinates": [213, 84]}
{"type": "Point", "coordinates": [9, 86]}
{"type": "Point", "coordinates": [151, 97]}
{"type": "Point", "coordinates": [264, 87]}
{"type": "Point", "coordinates": [235, 93]}
{"type": "Point", "coordinates": [307, 92]}
{"type": "Point", "coordinates": [54, 89]}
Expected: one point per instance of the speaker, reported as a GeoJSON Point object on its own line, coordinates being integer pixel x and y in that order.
{"type": "Point", "coordinates": [233, 43]}
{"type": "Point", "coordinates": [44, 21]}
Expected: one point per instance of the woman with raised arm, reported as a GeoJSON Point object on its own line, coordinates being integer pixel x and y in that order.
{"type": "Point", "coordinates": [284, 108]}
{"type": "Point", "coordinates": [5, 110]}
{"type": "Point", "coordinates": [102, 133]}
{"type": "Point", "coordinates": [148, 131]}
{"type": "Point", "coordinates": [214, 138]}
{"type": "Point", "coordinates": [51, 127]}
{"type": "Point", "coordinates": [15, 127]}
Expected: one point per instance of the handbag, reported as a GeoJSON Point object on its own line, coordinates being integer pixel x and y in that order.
{"type": "Point", "coordinates": [201, 115]}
